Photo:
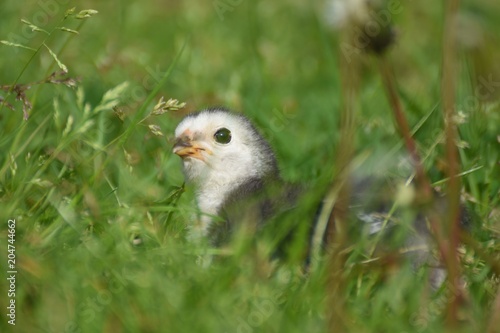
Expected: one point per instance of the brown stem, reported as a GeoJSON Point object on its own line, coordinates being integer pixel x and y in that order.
{"type": "Point", "coordinates": [336, 227]}
{"type": "Point", "coordinates": [448, 97]}
{"type": "Point", "coordinates": [424, 187]}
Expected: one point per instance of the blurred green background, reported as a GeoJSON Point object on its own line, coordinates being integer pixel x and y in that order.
{"type": "Point", "coordinates": [83, 182]}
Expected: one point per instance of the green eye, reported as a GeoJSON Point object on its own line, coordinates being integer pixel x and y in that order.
{"type": "Point", "coordinates": [223, 135]}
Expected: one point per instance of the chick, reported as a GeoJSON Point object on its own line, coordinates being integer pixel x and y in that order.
{"type": "Point", "coordinates": [234, 171]}
{"type": "Point", "coordinates": [238, 183]}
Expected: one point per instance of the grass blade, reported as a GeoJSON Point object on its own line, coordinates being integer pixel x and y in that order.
{"type": "Point", "coordinates": [5, 42]}
{"type": "Point", "coordinates": [59, 63]}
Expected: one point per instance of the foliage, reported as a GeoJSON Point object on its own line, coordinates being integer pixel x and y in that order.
{"type": "Point", "coordinates": [98, 197]}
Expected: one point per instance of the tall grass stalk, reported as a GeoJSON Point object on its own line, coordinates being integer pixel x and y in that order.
{"type": "Point", "coordinates": [448, 89]}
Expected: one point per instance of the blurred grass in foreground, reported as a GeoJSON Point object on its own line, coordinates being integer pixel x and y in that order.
{"type": "Point", "coordinates": [81, 195]}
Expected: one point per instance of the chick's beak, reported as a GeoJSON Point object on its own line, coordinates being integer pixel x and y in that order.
{"type": "Point", "coordinates": [188, 148]}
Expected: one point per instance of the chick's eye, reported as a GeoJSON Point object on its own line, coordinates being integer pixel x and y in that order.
{"type": "Point", "coordinates": [223, 135]}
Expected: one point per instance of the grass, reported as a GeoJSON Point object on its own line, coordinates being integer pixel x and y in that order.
{"type": "Point", "coordinates": [84, 176]}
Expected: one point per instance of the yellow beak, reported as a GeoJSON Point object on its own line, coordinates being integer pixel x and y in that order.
{"type": "Point", "coordinates": [185, 148]}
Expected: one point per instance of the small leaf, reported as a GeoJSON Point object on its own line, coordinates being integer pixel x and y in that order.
{"type": "Point", "coordinates": [85, 127]}
{"type": "Point", "coordinates": [69, 12]}
{"type": "Point", "coordinates": [57, 113]}
{"type": "Point", "coordinates": [156, 130]}
{"type": "Point", "coordinates": [86, 109]}
{"type": "Point", "coordinates": [59, 63]}
{"type": "Point", "coordinates": [16, 45]}
{"type": "Point", "coordinates": [80, 97]}
{"type": "Point", "coordinates": [119, 113]}
{"type": "Point", "coordinates": [69, 125]}
{"type": "Point", "coordinates": [42, 183]}
{"type": "Point", "coordinates": [128, 157]}
{"type": "Point", "coordinates": [462, 144]}
{"type": "Point", "coordinates": [170, 105]}
{"type": "Point", "coordinates": [115, 92]}
{"type": "Point", "coordinates": [34, 27]}
{"type": "Point", "coordinates": [160, 104]}
{"type": "Point", "coordinates": [13, 164]}
{"type": "Point", "coordinates": [111, 97]}
{"type": "Point", "coordinates": [68, 30]}
{"type": "Point", "coordinates": [86, 13]}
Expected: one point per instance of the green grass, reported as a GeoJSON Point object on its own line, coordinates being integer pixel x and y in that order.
{"type": "Point", "coordinates": [82, 182]}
